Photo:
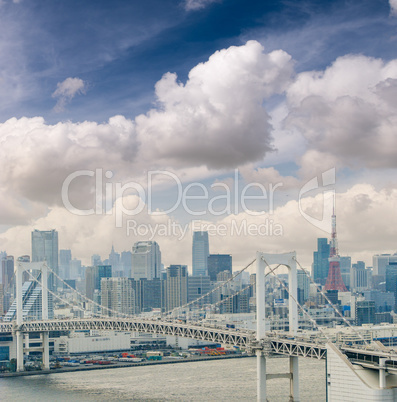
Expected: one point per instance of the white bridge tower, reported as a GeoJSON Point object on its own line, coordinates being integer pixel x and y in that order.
{"type": "Point", "coordinates": [20, 268]}
{"type": "Point", "coordinates": [262, 261]}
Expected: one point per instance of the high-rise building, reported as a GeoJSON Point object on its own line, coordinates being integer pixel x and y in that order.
{"type": "Point", "coordinates": [303, 286]}
{"type": "Point", "coordinates": [126, 263]}
{"type": "Point", "coordinates": [200, 253]}
{"type": "Point", "coordinates": [391, 280]}
{"type": "Point", "coordinates": [218, 263]}
{"type": "Point", "coordinates": [380, 262]}
{"type": "Point", "coordinates": [345, 264]}
{"type": "Point", "coordinates": [146, 260]}
{"type": "Point", "coordinates": [198, 286]}
{"type": "Point", "coordinates": [114, 259]}
{"type": "Point", "coordinates": [176, 286]}
{"type": "Point", "coordinates": [93, 277]}
{"type": "Point", "coordinates": [359, 277]}
{"type": "Point", "coordinates": [365, 312]}
{"type": "Point", "coordinates": [65, 256]}
{"type": "Point", "coordinates": [149, 294]}
{"type": "Point", "coordinates": [7, 269]}
{"type": "Point", "coordinates": [96, 260]}
{"type": "Point", "coordinates": [320, 261]}
{"type": "Point", "coordinates": [45, 248]}
{"type": "Point", "coordinates": [117, 296]}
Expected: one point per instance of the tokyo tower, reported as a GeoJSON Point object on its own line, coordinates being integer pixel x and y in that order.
{"type": "Point", "coordinates": [334, 279]}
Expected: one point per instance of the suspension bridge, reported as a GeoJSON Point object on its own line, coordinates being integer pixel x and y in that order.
{"type": "Point", "coordinates": [262, 343]}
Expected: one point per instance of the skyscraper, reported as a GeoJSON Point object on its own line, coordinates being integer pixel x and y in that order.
{"type": "Point", "coordinates": [176, 286]}
{"type": "Point", "coordinates": [117, 295]}
{"type": "Point", "coordinates": [45, 248]}
{"type": "Point", "coordinates": [200, 253]}
{"type": "Point", "coordinates": [218, 263]}
{"type": "Point", "coordinates": [320, 261]}
{"type": "Point", "coordinates": [146, 260]}
{"type": "Point", "coordinates": [65, 256]}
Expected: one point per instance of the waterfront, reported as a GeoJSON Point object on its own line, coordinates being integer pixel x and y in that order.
{"type": "Point", "coordinates": [221, 380]}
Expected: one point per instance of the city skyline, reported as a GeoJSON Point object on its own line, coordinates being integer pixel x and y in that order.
{"type": "Point", "coordinates": [220, 94]}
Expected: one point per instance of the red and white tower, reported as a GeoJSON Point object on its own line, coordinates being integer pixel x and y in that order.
{"type": "Point", "coordinates": [334, 279]}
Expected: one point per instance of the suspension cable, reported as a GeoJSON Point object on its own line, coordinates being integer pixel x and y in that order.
{"type": "Point", "coordinates": [332, 305]}
{"type": "Point", "coordinates": [210, 292]}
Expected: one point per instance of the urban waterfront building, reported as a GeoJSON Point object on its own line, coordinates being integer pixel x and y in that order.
{"type": "Point", "coordinates": [117, 296]}
{"type": "Point", "coordinates": [200, 253]}
{"type": "Point", "coordinates": [176, 286]}
{"type": "Point", "coordinates": [365, 312]}
{"type": "Point", "coordinates": [149, 294]}
{"type": "Point", "coordinates": [45, 248]}
{"type": "Point", "coordinates": [303, 286]}
{"type": "Point", "coordinates": [146, 260]}
{"type": "Point", "coordinates": [197, 287]}
{"type": "Point", "coordinates": [93, 277]}
{"type": "Point", "coordinates": [218, 263]}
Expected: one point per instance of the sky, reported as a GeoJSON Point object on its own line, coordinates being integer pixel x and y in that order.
{"type": "Point", "coordinates": [123, 121]}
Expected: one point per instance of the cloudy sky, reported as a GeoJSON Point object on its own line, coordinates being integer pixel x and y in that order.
{"type": "Point", "coordinates": [114, 115]}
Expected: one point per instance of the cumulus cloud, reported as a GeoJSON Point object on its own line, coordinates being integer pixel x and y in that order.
{"type": "Point", "coordinates": [393, 7]}
{"type": "Point", "coordinates": [348, 111]}
{"type": "Point", "coordinates": [194, 5]}
{"type": "Point", "coordinates": [217, 118]}
{"type": "Point", "coordinates": [67, 90]}
{"type": "Point", "coordinates": [361, 230]}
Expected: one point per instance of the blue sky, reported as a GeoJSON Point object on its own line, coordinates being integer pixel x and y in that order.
{"type": "Point", "coordinates": [283, 91]}
{"type": "Point", "coordinates": [120, 49]}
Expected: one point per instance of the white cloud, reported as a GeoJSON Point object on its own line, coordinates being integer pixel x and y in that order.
{"type": "Point", "coordinates": [217, 118]}
{"type": "Point", "coordinates": [348, 111]}
{"type": "Point", "coordinates": [194, 5]}
{"type": "Point", "coordinates": [67, 90]}
{"type": "Point", "coordinates": [393, 7]}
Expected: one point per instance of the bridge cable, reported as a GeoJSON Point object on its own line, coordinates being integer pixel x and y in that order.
{"type": "Point", "coordinates": [209, 293]}
{"type": "Point", "coordinates": [272, 270]}
{"type": "Point", "coordinates": [332, 305]}
{"type": "Point", "coordinates": [91, 301]}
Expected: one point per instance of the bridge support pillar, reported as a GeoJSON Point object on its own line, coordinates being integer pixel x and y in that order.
{"type": "Point", "coordinates": [294, 381]}
{"type": "Point", "coordinates": [46, 350]}
{"type": "Point", "coordinates": [19, 344]}
{"type": "Point", "coordinates": [261, 376]}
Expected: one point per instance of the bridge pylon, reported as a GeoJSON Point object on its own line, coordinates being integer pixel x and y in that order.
{"type": "Point", "coordinates": [288, 260]}
{"type": "Point", "coordinates": [19, 335]}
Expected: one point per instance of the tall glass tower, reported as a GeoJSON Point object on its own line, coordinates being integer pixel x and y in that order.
{"type": "Point", "coordinates": [45, 248]}
{"type": "Point", "coordinates": [200, 253]}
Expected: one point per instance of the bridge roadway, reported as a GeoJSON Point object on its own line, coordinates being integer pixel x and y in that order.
{"type": "Point", "coordinates": [274, 343]}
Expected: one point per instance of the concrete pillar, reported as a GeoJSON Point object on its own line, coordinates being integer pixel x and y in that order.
{"type": "Point", "coordinates": [260, 326]}
{"type": "Point", "coordinates": [26, 341]}
{"type": "Point", "coordinates": [382, 372]}
{"type": "Point", "coordinates": [46, 350]}
{"type": "Point", "coordinates": [294, 381]}
{"type": "Point", "coordinates": [261, 376]}
{"type": "Point", "coordinates": [19, 339]}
